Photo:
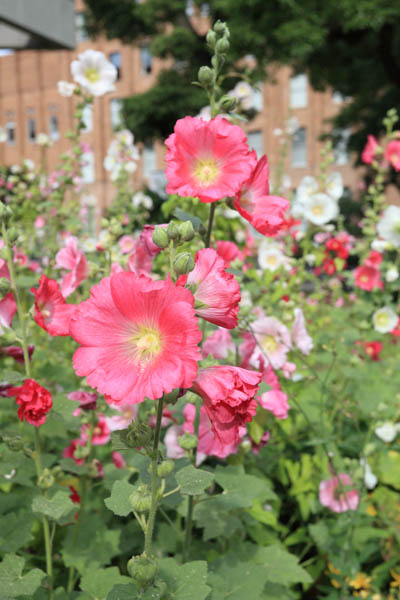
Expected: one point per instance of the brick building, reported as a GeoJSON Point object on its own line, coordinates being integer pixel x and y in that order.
{"type": "Point", "coordinates": [30, 104]}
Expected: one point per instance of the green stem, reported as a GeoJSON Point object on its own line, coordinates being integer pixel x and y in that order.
{"type": "Point", "coordinates": [46, 529]}
{"type": "Point", "coordinates": [210, 224]}
{"type": "Point", "coordinates": [188, 534]}
{"type": "Point", "coordinates": [154, 482]}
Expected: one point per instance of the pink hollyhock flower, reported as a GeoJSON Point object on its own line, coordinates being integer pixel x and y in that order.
{"type": "Point", "coordinates": [141, 258]}
{"type": "Point", "coordinates": [124, 419]}
{"type": "Point", "coordinates": [69, 451]}
{"type": "Point", "coordinates": [367, 278]}
{"type": "Point", "coordinates": [39, 222]}
{"type": "Point", "coordinates": [171, 439]}
{"type": "Point", "coordinates": [228, 396]}
{"type": "Point", "coordinates": [86, 400]}
{"type": "Point", "coordinates": [288, 369]}
{"type": "Point", "coordinates": [217, 292]}
{"type": "Point", "coordinates": [34, 402]}
{"type": "Point", "coordinates": [4, 272]}
{"type": "Point", "coordinates": [332, 495]}
{"type": "Point", "coordinates": [210, 444]}
{"type": "Point", "coordinates": [370, 149]}
{"type": "Point", "coordinates": [116, 268]}
{"type": "Point", "coordinates": [146, 238]}
{"type": "Point", "coordinates": [373, 349]}
{"type": "Point", "coordinates": [392, 154]}
{"type": "Point", "coordinates": [218, 344]}
{"type": "Point", "coordinates": [300, 336]}
{"type": "Point", "coordinates": [34, 266]}
{"type": "Point", "coordinates": [8, 308]}
{"type": "Point", "coordinates": [126, 244]}
{"type": "Point", "coordinates": [20, 257]}
{"type": "Point", "coordinates": [264, 212]}
{"type": "Point", "coordinates": [373, 259]}
{"type": "Point", "coordinates": [17, 353]}
{"type": "Point", "coordinates": [209, 160]}
{"type": "Point", "coordinates": [275, 401]}
{"type": "Point", "coordinates": [228, 251]}
{"type": "Point", "coordinates": [273, 340]}
{"type": "Point", "coordinates": [72, 259]}
{"type": "Point", "coordinates": [118, 460]}
{"type": "Point", "coordinates": [166, 419]}
{"type": "Point", "coordinates": [271, 378]}
{"type": "Point", "coordinates": [246, 349]}
{"type": "Point", "coordinates": [139, 338]}
{"type": "Point", "coordinates": [52, 313]}
{"type": "Point", "coordinates": [339, 302]}
{"type": "Point", "coordinates": [101, 433]}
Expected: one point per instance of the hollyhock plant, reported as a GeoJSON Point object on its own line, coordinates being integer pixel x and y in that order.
{"type": "Point", "coordinates": [367, 278]}
{"type": "Point", "coordinates": [264, 212]}
{"type": "Point", "coordinates": [370, 150]}
{"type": "Point", "coordinates": [94, 72]}
{"type": "Point", "coordinates": [392, 154]}
{"type": "Point", "coordinates": [389, 225]}
{"type": "Point", "coordinates": [34, 402]}
{"type": "Point", "coordinates": [228, 395]}
{"type": "Point", "coordinates": [300, 337]}
{"type": "Point", "coordinates": [384, 319]}
{"type": "Point", "coordinates": [334, 185]}
{"type": "Point", "coordinates": [320, 208]}
{"type": "Point", "coordinates": [8, 308]}
{"type": "Point", "coordinates": [74, 260]}
{"type": "Point", "coordinates": [332, 495]}
{"type": "Point", "coordinates": [139, 338]}
{"type": "Point", "coordinates": [219, 344]}
{"type": "Point", "coordinates": [69, 451]}
{"type": "Point", "coordinates": [52, 313]}
{"type": "Point", "coordinates": [217, 292]}
{"type": "Point", "coordinates": [209, 443]}
{"type": "Point", "coordinates": [87, 401]}
{"type": "Point", "coordinates": [273, 342]}
{"type": "Point", "coordinates": [101, 432]}
{"type": "Point", "coordinates": [210, 160]}
{"type": "Point", "coordinates": [270, 256]}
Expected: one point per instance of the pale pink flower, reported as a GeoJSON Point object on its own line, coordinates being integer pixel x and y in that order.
{"type": "Point", "coordinates": [392, 154]}
{"type": "Point", "coordinates": [339, 302]}
{"type": "Point", "coordinates": [124, 419]}
{"type": "Point", "coordinates": [275, 401]}
{"type": "Point", "coordinates": [288, 369]}
{"type": "Point", "coordinates": [273, 342]}
{"type": "Point", "coordinates": [207, 159]}
{"type": "Point", "coordinates": [219, 344]}
{"type": "Point", "coordinates": [116, 268]}
{"type": "Point", "coordinates": [8, 308]}
{"type": "Point", "coordinates": [39, 222]}
{"type": "Point", "coordinates": [370, 149]}
{"type": "Point", "coordinates": [246, 349]}
{"type": "Point", "coordinates": [210, 444]}
{"type": "Point", "coordinates": [72, 259]}
{"type": "Point", "coordinates": [171, 439]}
{"type": "Point", "coordinates": [300, 336]}
{"type": "Point", "coordinates": [332, 495]}
{"type": "Point", "coordinates": [126, 244]}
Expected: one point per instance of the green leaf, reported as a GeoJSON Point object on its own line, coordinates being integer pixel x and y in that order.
{"type": "Point", "coordinates": [98, 582]}
{"type": "Point", "coordinates": [117, 441]}
{"type": "Point", "coordinates": [215, 519]}
{"type": "Point", "coordinates": [280, 566]}
{"type": "Point", "coordinates": [118, 502]}
{"type": "Point", "coordinates": [193, 481]}
{"type": "Point", "coordinates": [15, 531]}
{"type": "Point", "coordinates": [184, 582]}
{"type": "Point", "coordinates": [60, 505]}
{"type": "Point", "coordinates": [9, 376]}
{"type": "Point", "coordinates": [240, 489]}
{"type": "Point", "coordinates": [236, 580]}
{"type": "Point", "coordinates": [13, 583]}
{"type": "Point", "coordinates": [124, 592]}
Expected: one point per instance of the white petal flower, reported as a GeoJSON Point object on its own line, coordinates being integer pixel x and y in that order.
{"type": "Point", "coordinates": [94, 72]}
{"type": "Point", "coordinates": [308, 186]}
{"type": "Point", "coordinates": [244, 93]}
{"type": "Point", "coordinates": [270, 257]}
{"type": "Point", "coordinates": [379, 245]}
{"type": "Point", "coordinates": [384, 319]}
{"type": "Point", "coordinates": [205, 113]}
{"type": "Point", "coordinates": [389, 225]}
{"type": "Point", "coordinates": [370, 479]}
{"type": "Point", "coordinates": [320, 209]}
{"type": "Point", "coordinates": [42, 139]}
{"type": "Point", "coordinates": [387, 431]}
{"type": "Point", "coordinates": [391, 274]}
{"type": "Point", "coordinates": [65, 88]}
{"type": "Point", "coordinates": [334, 185]}
{"type": "Point", "coordinates": [124, 137]}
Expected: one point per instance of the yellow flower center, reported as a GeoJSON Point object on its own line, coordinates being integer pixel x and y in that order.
{"type": "Point", "coordinates": [382, 320]}
{"type": "Point", "coordinates": [92, 75]}
{"type": "Point", "coordinates": [317, 210]}
{"type": "Point", "coordinates": [269, 344]}
{"type": "Point", "coordinates": [272, 260]}
{"type": "Point", "coordinates": [147, 343]}
{"type": "Point", "coordinates": [206, 171]}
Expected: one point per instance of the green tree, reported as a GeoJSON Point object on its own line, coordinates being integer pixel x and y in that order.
{"type": "Point", "coordinates": [351, 47]}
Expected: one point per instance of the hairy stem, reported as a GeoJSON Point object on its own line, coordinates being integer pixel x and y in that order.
{"type": "Point", "coordinates": [154, 482]}
{"type": "Point", "coordinates": [210, 224]}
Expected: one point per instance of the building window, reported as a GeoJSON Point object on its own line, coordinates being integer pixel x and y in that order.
{"type": "Point", "coordinates": [205, 10]}
{"type": "Point", "coordinates": [54, 130]}
{"type": "Point", "coordinates": [189, 8]}
{"type": "Point", "coordinates": [341, 151]}
{"type": "Point", "coordinates": [116, 60]}
{"type": "Point", "coordinates": [87, 118]}
{"type": "Point", "coordinates": [88, 174]}
{"type": "Point", "coordinates": [146, 60]}
{"type": "Point", "coordinates": [31, 124]}
{"type": "Point", "coordinates": [115, 113]}
{"type": "Point", "coordinates": [255, 141]}
{"type": "Point", "coordinates": [80, 28]}
{"type": "Point", "coordinates": [149, 160]}
{"type": "Point", "coordinates": [298, 91]}
{"type": "Point", "coordinates": [258, 98]}
{"type": "Point", "coordinates": [10, 131]}
{"type": "Point", "coordinates": [299, 148]}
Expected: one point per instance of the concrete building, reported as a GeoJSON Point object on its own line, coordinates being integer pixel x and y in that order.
{"type": "Point", "coordinates": [30, 104]}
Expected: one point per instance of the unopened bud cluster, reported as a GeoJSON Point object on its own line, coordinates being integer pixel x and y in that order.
{"type": "Point", "coordinates": [178, 234]}
{"type": "Point", "coordinates": [142, 569]}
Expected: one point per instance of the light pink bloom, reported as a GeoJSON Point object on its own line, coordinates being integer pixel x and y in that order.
{"type": "Point", "coordinates": [246, 349]}
{"type": "Point", "coordinates": [8, 308]}
{"type": "Point", "coordinates": [288, 369]}
{"type": "Point", "coordinates": [124, 419]}
{"type": "Point", "coordinates": [101, 432]}
{"type": "Point", "coordinates": [217, 292]}
{"type": "Point", "coordinates": [210, 444]}
{"type": "Point", "coordinates": [300, 336]}
{"type": "Point", "coordinates": [339, 302]}
{"type": "Point", "coordinates": [332, 496]}
{"type": "Point", "coordinates": [126, 244]}
{"type": "Point", "coordinates": [139, 338]}
{"type": "Point", "coordinates": [218, 344]}
{"type": "Point", "coordinates": [273, 340]}
{"type": "Point", "coordinates": [72, 259]}
{"type": "Point", "coordinates": [392, 154]}
{"type": "Point", "coordinates": [207, 159]}
{"type": "Point", "coordinates": [116, 268]}
{"type": "Point", "coordinates": [39, 222]}
{"type": "Point", "coordinates": [171, 439]}
{"type": "Point", "coordinates": [52, 313]}
{"type": "Point", "coordinates": [275, 401]}
{"type": "Point", "coordinates": [86, 400]}
{"type": "Point", "coordinates": [118, 460]}
{"type": "Point", "coordinates": [369, 152]}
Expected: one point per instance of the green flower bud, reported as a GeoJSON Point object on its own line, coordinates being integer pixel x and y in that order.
{"type": "Point", "coordinates": [211, 38]}
{"type": "Point", "coordinates": [165, 468]}
{"type": "Point", "coordinates": [116, 229]}
{"type": "Point", "coordinates": [172, 231]}
{"type": "Point", "coordinates": [137, 434]}
{"type": "Point", "coordinates": [221, 28]}
{"type": "Point", "coordinates": [160, 237]}
{"type": "Point", "coordinates": [13, 442]}
{"type": "Point", "coordinates": [187, 441]}
{"type": "Point", "coordinates": [222, 46]}
{"type": "Point", "coordinates": [228, 103]}
{"type": "Point", "coordinates": [5, 211]}
{"type": "Point", "coordinates": [8, 336]}
{"type": "Point", "coordinates": [105, 223]}
{"type": "Point", "coordinates": [183, 263]}
{"type": "Point", "coordinates": [12, 235]}
{"type": "Point", "coordinates": [140, 499]}
{"type": "Point", "coordinates": [186, 230]}
{"type": "Point", "coordinates": [57, 472]}
{"type": "Point", "coordinates": [171, 397]}
{"type": "Point", "coordinates": [205, 76]}
{"type": "Point", "coordinates": [142, 569]}
{"type": "Point", "coordinates": [46, 480]}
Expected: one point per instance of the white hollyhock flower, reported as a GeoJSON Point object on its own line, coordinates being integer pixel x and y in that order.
{"type": "Point", "coordinates": [65, 88]}
{"type": "Point", "coordinates": [42, 139]}
{"type": "Point", "coordinates": [320, 209]}
{"type": "Point", "coordinates": [205, 113]}
{"type": "Point", "coordinates": [308, 186]}
{"type": "Point", "coordinates": [94, 72]}
{"type": "Point", "coordinates": [389, 225]}
{"type": "Point", "coordinates": [387, 431]}
{"type": "Point", "coordinates": [370, 479]}
{"type": "Point", "coordinates": [384, 319]}
{"type": "Point", "coordinates": [124, 137]}
{"type": "Point", "coordinates": [141, 199]}
{"type": "Point", "coordinates": [379, 245]}
{"type": "Point", "coordinates": [270, 257]}
{"type": "Point", "coordinates": [244, 93]}
{"type": "Point", "coordinates": [391, 274]}
{"type": "Point", "coordinates": [334, 185]}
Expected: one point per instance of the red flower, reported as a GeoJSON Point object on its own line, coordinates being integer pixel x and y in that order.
{"type": "Point", "coordinates": [329, 266]}
{"type": "Point", "coordinates": [373, 349]}
{"type": "Point", "coordinates": [75, 497]}
{"type": "Point", "coordinates": [337, 247]}
{"type": "Point", "coordinates": [52, 313]}
{"type": "Point", "coordinates": [228, 395]}
{"type": "Point", "coordinates": [34, 402]}
{"type": "Point", "coordinates": [367, 278]}
{"type": "Point", "coordinates": [374, 259]}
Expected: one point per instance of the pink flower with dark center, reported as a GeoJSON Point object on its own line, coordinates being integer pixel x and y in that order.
{"type": "Point", "coordinates": [228, 395]}
{"type": "Point", "coordinates": [72, 259]}
{"type": "Point", "coordinates": [264, 212]}
{"type": "Point", "coordinates": [87, 401]}
{"type": "Point", "coordinates": [273, 342]}
{"type": "Point", "coordinates": [139, 338]}
{"type": "Point", "coordinates": [367, 278]}
{"type": "Point", "coordinates": [34, 402]}
{"type": "Point", "coordinates": [219, 344]}
{"type": "Point", "coordinates": [300, 336]}
{"type": "Point", "coordinates": [8, 308]}
{"type": "Point", "coordinates": [392, 154]}
{"type": "Point", "coordinates": [101, 433]}
{"type": "Point", "coordinates": [209, 160]}
{"type": "Point", "coordinates": [52, 313]}
{"type": "Point", "coordinates": [370, 149]}
{"type": "Point", "coordinates": [217, 292]}
{"type": "Point", "coordinates": [333, 495]}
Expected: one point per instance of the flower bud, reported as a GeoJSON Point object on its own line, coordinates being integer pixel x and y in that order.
{"type": "Point", "coordinates": [5, 211]}
{"type": "Point", "coordinates": [12, 235]}
{"type": "Point", "coordinates": [172, 397]}
{"type": "Point", "coordinates": [140, 499]}
{"type": "Point", "coordinates": [116, 229]}
{"type": "Point", "coordinates": [183, 263]}
{"type": "Point", "coordinates": [46, 480]}
{"type": "Point", "coordinates": [187, 441]}
{"type": "Point", "coordinates": [211, 38]}
{"type": "Point", "coordinates": [205, 76]}
{"type": "Point", "coordinates": [172, 231]}
{"type": "Point", "coordinates": [228, 103]}
{"type": "Point", "coordinates": [165, 468]}
{"type": "Point", "coordinates": [186, 230]}
{"type": "Point", "coordinates": [222, 46]}
{"type": "Point", "coordinates": [160, 237]}
{"type": "Point", "coordinates": [221, 28]}
{"type": "Point", "coordinates": [105, 223]}
{"type": "Point", "coordinates": [142, 569]}
{"type": "Point", "coordinates": [13, 442]}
